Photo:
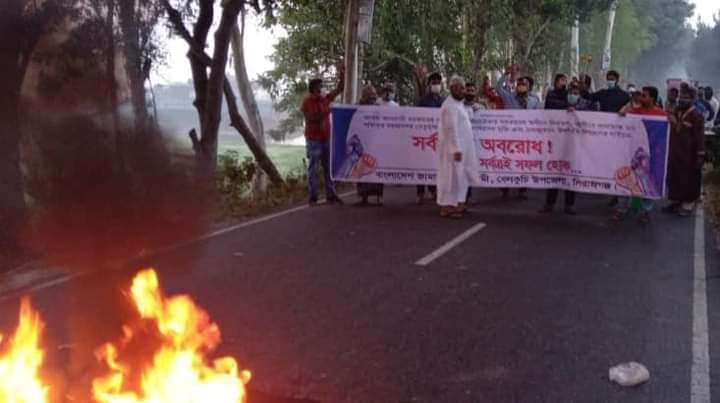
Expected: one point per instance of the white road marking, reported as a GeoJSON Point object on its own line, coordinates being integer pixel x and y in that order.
{"type": "Point", "coordinates": [700, 372]}
{"type": "Point", "coordinates": [65, 278]}
{"type": "Point", "coordinates": [450, 244]}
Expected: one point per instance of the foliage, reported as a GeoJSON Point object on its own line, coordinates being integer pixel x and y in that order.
{"type": "Point", "coordinates": [631, 37]}
{"type": "Point", "coordinates": [469, 37]}
{"type": "Point", "coordinates": [704, 61]}
{"type": "Point", "coordinates": [666, 22]}
{"type": "Point", "coordinates": [234, 182]}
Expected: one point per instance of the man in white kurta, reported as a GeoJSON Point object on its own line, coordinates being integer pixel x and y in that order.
{"type": "Point", "coordinates": [458, 167]}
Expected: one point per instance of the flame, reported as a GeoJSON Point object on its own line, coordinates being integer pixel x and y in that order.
{"type": "Point", "coordinates": [178, 372]}
{"type": "Point", "coordinates": [21, 360]}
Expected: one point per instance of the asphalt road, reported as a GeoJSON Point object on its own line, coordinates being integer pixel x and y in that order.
{"type": "Point", "coordinates": [328, 303]}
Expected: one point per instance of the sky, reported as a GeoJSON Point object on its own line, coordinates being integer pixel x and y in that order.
{"type": "Point", "coordinates": [259, 43]}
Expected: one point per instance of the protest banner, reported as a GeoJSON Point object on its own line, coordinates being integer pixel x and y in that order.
{"type": "Point", "coordinates": [589, 152]}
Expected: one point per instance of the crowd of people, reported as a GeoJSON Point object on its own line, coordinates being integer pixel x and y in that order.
{"type": "Point", "coordinates": [688, 109]}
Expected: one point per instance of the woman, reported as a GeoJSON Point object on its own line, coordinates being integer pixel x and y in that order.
{"type": "Point", "coordinates": [365, 190]}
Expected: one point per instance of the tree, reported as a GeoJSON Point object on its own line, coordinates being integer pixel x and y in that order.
{"type": "Point", "coordinates": [138, 20]}
{"type": "Point", "coordinates": [22, 26]}
{"type": "Point", "coordinates": [704, 61]}
{"type": "Point", "coordinates": [209, 88]}
{"type": "Point", "coordinates": [246, 92]}
{"type": "Point", "coordinates": [673, 37]}
{"type": "Point", "coordinates": [631, 37]}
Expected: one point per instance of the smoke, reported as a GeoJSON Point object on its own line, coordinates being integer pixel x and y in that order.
{"type": "Point", "coordinates": [97, 198]}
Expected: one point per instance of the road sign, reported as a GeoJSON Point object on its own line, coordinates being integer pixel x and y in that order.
{"type": "Point", "coordinates": [365, 20]}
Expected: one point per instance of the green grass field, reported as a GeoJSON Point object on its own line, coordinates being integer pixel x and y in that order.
{"type": "Point", "coordinates": [285, 157]}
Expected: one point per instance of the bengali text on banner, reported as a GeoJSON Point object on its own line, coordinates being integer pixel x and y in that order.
{"type": "Point", "coordinates": [587, 152]}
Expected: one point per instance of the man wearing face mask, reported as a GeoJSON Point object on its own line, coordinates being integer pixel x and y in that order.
{"type": "Point", "coordinates": [611, 99]}
{"type": "Point", "coordinates": [433, 99]}
{"type": "Point", "coordinates": [521, 98]}
{"type": "Point", "coordinates": [387, 96]}
{"type": "Point", "coordinates": [559, 98]}
{"type": "Point", "coordinates": [687, 155]}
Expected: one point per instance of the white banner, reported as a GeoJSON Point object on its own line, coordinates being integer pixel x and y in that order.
{"type": "Point", "coordinates": [583, 151]}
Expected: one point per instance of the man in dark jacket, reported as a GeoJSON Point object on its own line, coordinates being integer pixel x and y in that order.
{"type": "Point", "coordinates": [432, 99]}
{"type": "Point", "coordinates": [556, 98]}
{"type": "Point", "coordinates": [559, 99]}
{"type": "Point", "coordinates": [613, 98]}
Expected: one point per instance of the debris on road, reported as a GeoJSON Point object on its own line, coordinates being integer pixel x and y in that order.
{"type": "Point", "coordinates": [629, 374]}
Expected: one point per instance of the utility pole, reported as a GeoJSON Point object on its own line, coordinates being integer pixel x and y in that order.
{"type": "Point", "coordinates": [575, 49]}
{"type": "Point", "coordinates": [607, 49]}
{"type": "Point", "coordinates": [358, 30]}
{"type": "Point", "coordinates": [351, 51]}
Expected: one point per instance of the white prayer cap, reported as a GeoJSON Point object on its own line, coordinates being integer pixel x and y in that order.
{"type": "Point", "coordinates": [457, 80]}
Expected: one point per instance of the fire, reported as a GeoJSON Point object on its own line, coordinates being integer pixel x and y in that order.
{"type": "Point", "coordinates": [21, 359]}
{"type": "Point", "coordinates": [178, 371]}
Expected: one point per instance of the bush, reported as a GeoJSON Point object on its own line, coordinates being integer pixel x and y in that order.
{"type": "Point", "coordinates": [234, 180]}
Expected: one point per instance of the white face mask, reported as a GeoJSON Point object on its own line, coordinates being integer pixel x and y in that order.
{"type": "Point", "coordinates": [436, 88]}
{"type": "Point", "coordinates": [323, 92]}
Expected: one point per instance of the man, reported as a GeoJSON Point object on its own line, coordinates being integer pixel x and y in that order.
{"type": "Point", "coordinates": [713, 101]}
{"type": "Point", "coordinates": [559, 98]}
{"type": "Point", "coordinates": [647, 105]}
{"type": "Point", "coordinates": [471, 106]}
{"type": "Point", "coordinates": [687, 155]}
{"type": "Point", "coordinates": [432, 99]}
{"type": "Point", "coordinates": [458, 166]}
{"type": "Point", "coordinates": [365, 190]}
{"type": "Point", "coordinates": [706, 96]}
{"type": "Point", "coordinates": [387, 96]}
{"type": "Point", "coordinates": [471, 102]}
{"type": "Point", "coordinates": [493, 100]}
{"type": "Point", "coordinates": [613, 98]}
{"type": "Point", "coordinates": [585, 86]}
{"type": "Point", "coordinates": [521, 98]}
{"type": "Point", "coordinates": [316, 109]}
{"type": "Point", "coordinates": [671, 103]}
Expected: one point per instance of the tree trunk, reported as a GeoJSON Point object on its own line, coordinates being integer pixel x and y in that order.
{"type": "Point", "coordinates": [112, 80]}
{"type": "Point", "coordinates": [199, 69]}
{"type": "Point", "coordinates": [607, 48]}
{"type": "Point", "coordinates": [247, 96]}
{"type": "Point", "coordinates": [575, 49]}
{"type": "Point", "coordinates": [239, 124]}
{"type": "Point", "coordinates": [198, 54]}
{"type": "Point", "coordinates": [213, 105]}
{"type": "Point", "coordinates": [133, 61]}
{"type": "Point", "coordinates": [351, 42]}
{"type": "Point", "coordinates": [13, 62]}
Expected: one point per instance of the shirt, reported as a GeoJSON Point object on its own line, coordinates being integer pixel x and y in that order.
{"type": "Point", "coordinates": [513, 101]}
{"type": "Point", "coordinates": [654, 111]}
{"type": "Point", "coordinates": [610, 100]}
{"type": "Point", "coordinates": [431, 101]}
{"type": "Point", "coordinates": [383, 102]}
{"type": "Point", "coordinates": [317, 117]}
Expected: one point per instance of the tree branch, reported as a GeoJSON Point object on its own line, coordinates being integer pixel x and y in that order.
{"type": "Point", "coordinates": [236, 119]}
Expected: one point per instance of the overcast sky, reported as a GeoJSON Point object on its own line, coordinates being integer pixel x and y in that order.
{"type": "Point", "coordinates": [259, 44]}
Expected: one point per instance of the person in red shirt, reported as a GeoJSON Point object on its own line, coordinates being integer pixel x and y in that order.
{"type": "Point", "coordinates": [648, 106]}
{"type": "Point", "coordinates": [316, 109]}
